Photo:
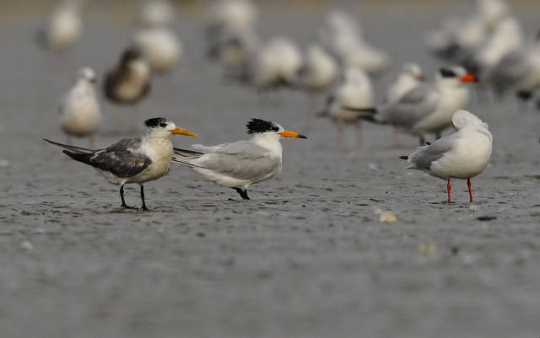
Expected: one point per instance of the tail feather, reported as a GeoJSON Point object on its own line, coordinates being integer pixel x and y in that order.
{"type": "Point", "coordinates": [186, 152]}
{"type": "Point", "coordinates": [80, 157]}
{"type": "Point", "coordinates": [72, 149]}
{"type": "Point", "coordinates": [184, 156]}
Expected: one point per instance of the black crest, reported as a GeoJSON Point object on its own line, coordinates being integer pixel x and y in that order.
{"type": "Point", "coordinates": [260, 126]}
{"type": "Point", "coordinates": [445, 72]}
{"type": "Point", "coordinates": [156, 122]}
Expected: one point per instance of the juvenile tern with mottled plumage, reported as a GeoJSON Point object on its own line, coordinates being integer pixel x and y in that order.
{"type": "Point", "coordinates": [132, 160]}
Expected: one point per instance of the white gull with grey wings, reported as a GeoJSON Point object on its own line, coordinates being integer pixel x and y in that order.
{"type": "Point", "coordinates": [463, 155]}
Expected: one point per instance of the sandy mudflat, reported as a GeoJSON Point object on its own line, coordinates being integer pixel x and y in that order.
{"type": "Point", "coordinates": [306, 257]}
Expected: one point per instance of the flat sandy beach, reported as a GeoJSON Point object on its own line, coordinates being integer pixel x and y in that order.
{"type": "Point", "coordinates": [307, 256]}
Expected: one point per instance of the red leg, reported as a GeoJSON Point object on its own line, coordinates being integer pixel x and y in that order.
{"type": "Point", "coordinates": [358, 128]}
{"type": "Point", "coordinates": [449, 188]}
{"type": "Point", "coordinates": [395, 134]}
{"type": "Point", "coordinates": [470, 189]}
{"type": "Point", "coordinates": [340, 134]}
{"type": "Point", "coordinates": [311, 104]}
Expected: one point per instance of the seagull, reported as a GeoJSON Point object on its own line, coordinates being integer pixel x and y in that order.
{"type": "Point", "coordinates": [240, 164]}
{"type": "Point", "coordinates": [411, 76]}
{"type": "Point", "coordinates": [319, 71]}
{"type": "Point", "coordinates": [132, 160]}
{"type": "Point", "coordinates": [80, 113]}
{"type": "Point", "coordinates": [64, 26]}
{"type": "Point", "coordinates": [459, 38]}
{"type": "Point", "coordinates": [427, 108]}
{"type": "Point", "coordinates": [506, 38]}
{"type": "Point", "coordinates": [463, 155]}
{"type": "Point", "coordinates": [276, 64]}
{"type": "Point", "coordinates": [227, 19]}
{"type": "Point", "coordinates": [518, 70]}
{"type": "Point", "coordinates": [129, 81]}
{"type": "Point", "coordinates": [355, 90]}
{"type": "Point", "coordinates": [156, 13]}
{"type": "Point", "coordinates": [160, 47]}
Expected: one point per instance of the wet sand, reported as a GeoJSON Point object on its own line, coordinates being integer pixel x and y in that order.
{"type": "Point", "coordinates": [306, 257]}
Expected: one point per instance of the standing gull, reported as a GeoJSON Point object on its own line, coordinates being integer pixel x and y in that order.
{"type": "Point", "coordinates": [64, 26]}
{"type": "Point", "coordinates": [80, 113]}
{"type": "Point", "coordinates": [240, 164]}
{"type": "Point", "coordinates": [355, 90]}
{"type": "Point", "coordinates": [133, 160]}
{"type": "Point", "coordinates": [463, 155]}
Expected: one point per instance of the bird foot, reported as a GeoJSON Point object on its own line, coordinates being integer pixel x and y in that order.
{"type": "Point", "coordinates": [125, 206]}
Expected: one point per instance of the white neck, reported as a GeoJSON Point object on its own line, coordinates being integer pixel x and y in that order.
{"type": "Point", "coordinates": [269, 141]}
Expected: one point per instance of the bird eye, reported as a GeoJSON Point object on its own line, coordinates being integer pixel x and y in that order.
{"type": "Point", "coordinates": [163, 124]}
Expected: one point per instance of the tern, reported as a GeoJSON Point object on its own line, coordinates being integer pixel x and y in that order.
{"type": "Point", "coordinates": [132, 160]}
{"type": "Point", "coordinates": [427, 108]}
{"type": "Point", "coordinates": [463, 155]}
{"type": "Point", "coordinates": [240, 164]}
{"type": "Point", "coordinates": [80, 113]}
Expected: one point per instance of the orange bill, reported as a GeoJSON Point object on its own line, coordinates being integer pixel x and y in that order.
{"type": "Point", "coordinates": [468, 78]}
{"type": "Point", "coordinates": [289, 133]}
{"type": "Point", "coordinates": [183, 131]}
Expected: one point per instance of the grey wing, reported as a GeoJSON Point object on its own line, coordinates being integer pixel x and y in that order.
{"type": "Point", "coordinates": [511, 68]}
{"type": "Point", "coordinates": [424, 156]}
{"type": "Point", "coordinates": [412, 107]}
{"type": "Point", "coordinates": [243, 148]}
{"type": "Point", "coordinates": [241, 160]}
{"type": "Point", "coordinates": [120, 158]}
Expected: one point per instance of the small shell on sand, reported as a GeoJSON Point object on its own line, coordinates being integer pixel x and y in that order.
{"type": "Point", "coordinates": [387, 217]}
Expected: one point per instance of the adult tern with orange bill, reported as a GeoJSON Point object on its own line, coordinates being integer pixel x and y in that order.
{"type": "Point", "coordinates": [240, 164]}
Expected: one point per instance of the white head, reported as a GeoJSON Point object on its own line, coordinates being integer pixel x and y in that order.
{"type": "Point", "coordinates": [454, 76]}
{"type": "Point", "coordinates": [162, 127]}
{"type": "Point", "coordinates": [463, 118]}
{"type": "Point", "coordinates": [414, 70]}
{"type": "Point", "coordinates": [87, 74]}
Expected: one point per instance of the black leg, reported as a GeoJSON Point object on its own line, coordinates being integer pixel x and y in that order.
{"type": "Point", "coordinates": [524, 95]}
{"type": "Point", "coordinates": [242, 193]}
{"type": "Point", "coordinates": [124, 205]}
{"type": "Point", "coordinates": [142, 197]}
